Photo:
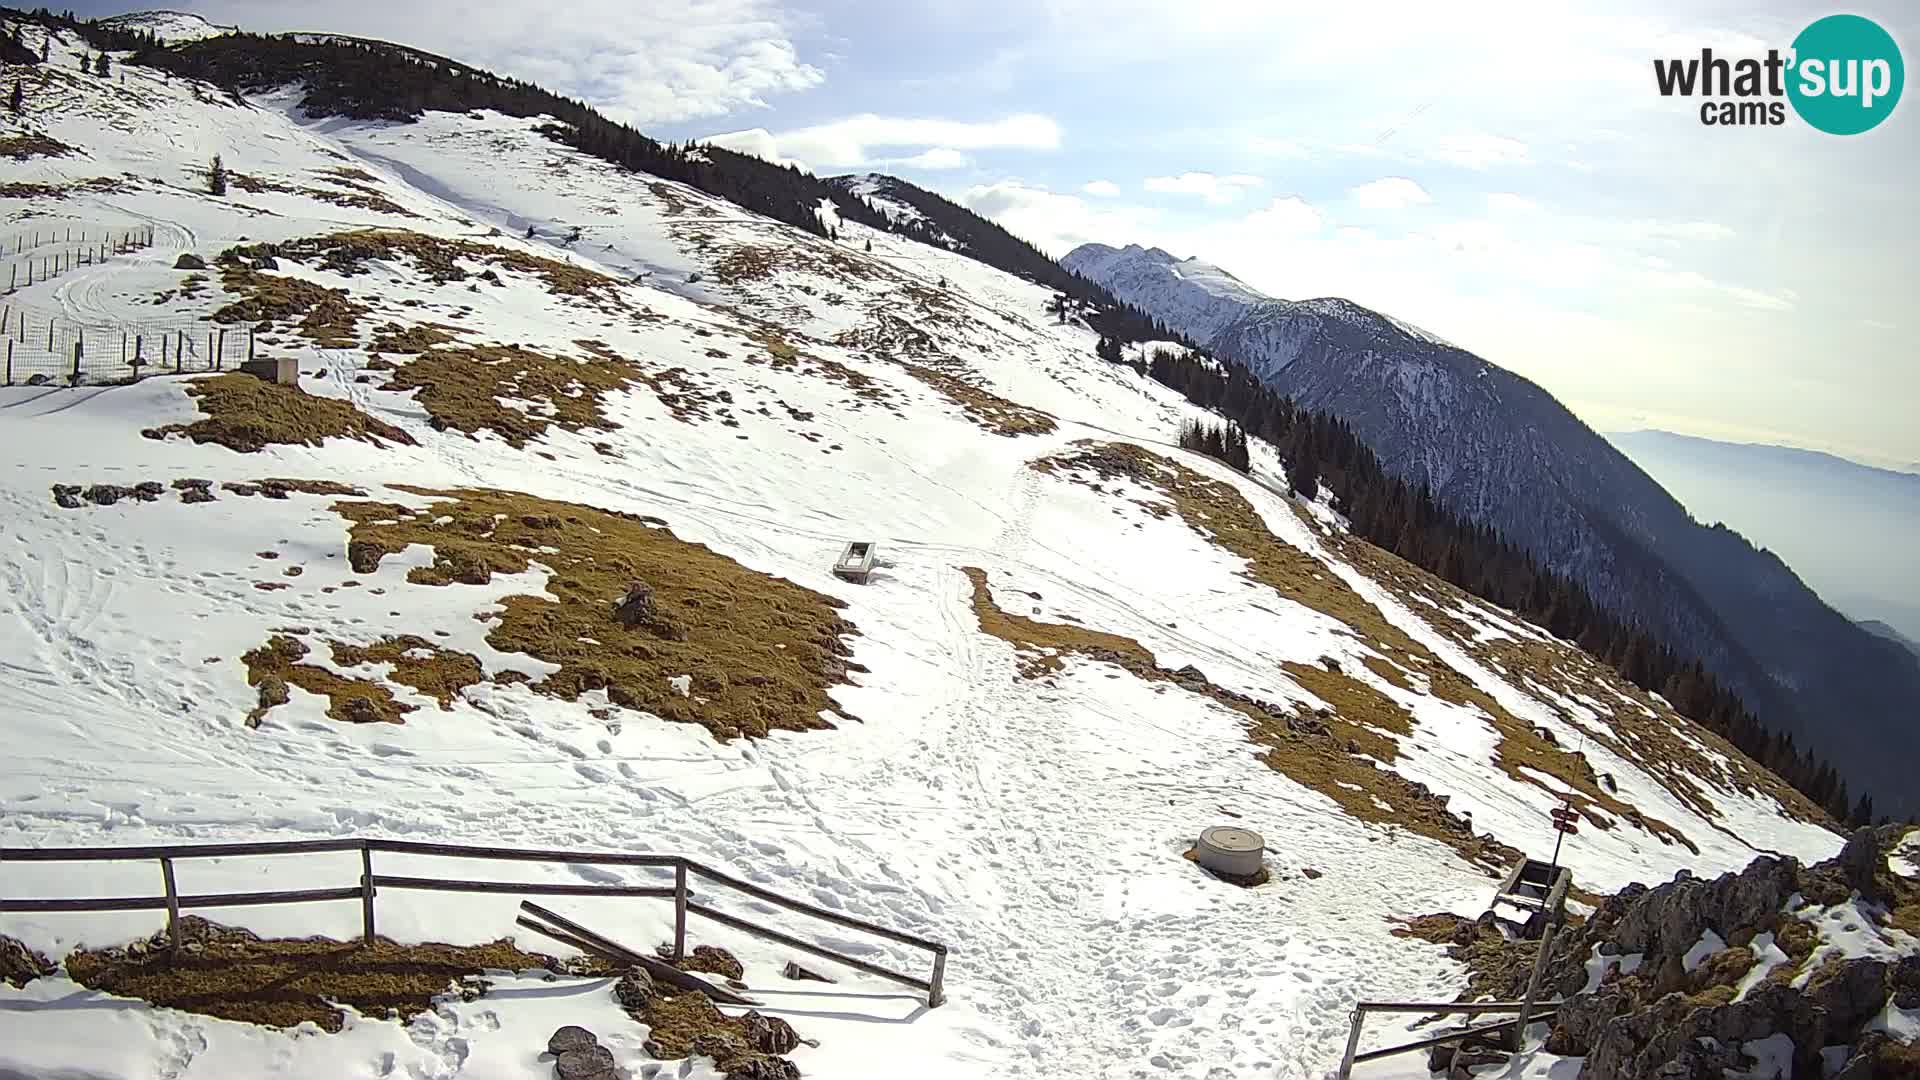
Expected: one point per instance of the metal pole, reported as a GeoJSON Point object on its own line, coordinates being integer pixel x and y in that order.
{"type": "Point", "coordinates": [9, 361]}
{"type": "Point", "coordinates": [219, 354]}
{"type": "Point", "coordinates": [76, 359]}
{"type": "Point", "coordinates": [679, 910]}
{"type": "Point", "coordinates": [1353, 1045]}
{"type": "Point", "coordinates": [173, 904]}
{"type": "Point", "coordinates": [936, 990]}
{"type": "Point", "coordinates": [366, 894]}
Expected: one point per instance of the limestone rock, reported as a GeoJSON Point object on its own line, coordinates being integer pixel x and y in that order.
{"type": "Point", "coordinates": [571, 1037]}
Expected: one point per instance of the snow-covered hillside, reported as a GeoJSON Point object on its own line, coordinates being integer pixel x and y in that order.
{"type": "Point", "coordinates": [534, 380]}
{"type": "Point", "coordinates": [169, 26]}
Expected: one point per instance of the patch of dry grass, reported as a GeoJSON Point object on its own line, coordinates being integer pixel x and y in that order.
{"type": "Point", "coordinates": [328, 317]}
{"type": "Point", "coordinates": [761, 652]}
{"type": "Point", "coordinates": [1310, 752]}
{"type": "Point", "coordinates": [440, 259]}
{"type": "Point", "coordinates": [99, 185]}
{"type": "Point", "coordinates": [1651, 742]}
{"type": "Point", "coordinates": [1216, 510]}
{"type": "Point", "coordinates": [461, 389]}
{"type": "Point", "coordinates": [436, 672]}
{"type": "Point", "coordinates": [32, 144]}
{"type": "Point", "coordinates": [248, 414]}
{"type": "Point", "coordinates": [360, 197]}
{"type": "Point", "coordinates": [284, 982]}
{"type": "Point", "coordinates": [984, 407]}
{"type": "Point", "coordinates": [273, 667]}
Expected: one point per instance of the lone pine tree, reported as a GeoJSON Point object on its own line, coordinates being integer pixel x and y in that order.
{"type": "Point", "coordinates": [217, 177]}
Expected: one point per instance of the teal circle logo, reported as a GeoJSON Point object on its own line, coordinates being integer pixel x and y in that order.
{"type": "Point", "coordinates": [1846, 75]}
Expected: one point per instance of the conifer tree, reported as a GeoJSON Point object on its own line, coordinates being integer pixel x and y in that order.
{"type": "Point", "coordinates": [103, 67]}
{"type": "Point", "coordinates": [217, 177]}
{"type": "Point", "coordinates": [16, 101]}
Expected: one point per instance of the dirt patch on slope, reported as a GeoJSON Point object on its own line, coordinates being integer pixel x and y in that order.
{"type": "Point", "coordinates": [284, 982]}
{"type": "Point", "coordinates": [734, 650]}
{"type": "Point", "coordinates": [248, 414]}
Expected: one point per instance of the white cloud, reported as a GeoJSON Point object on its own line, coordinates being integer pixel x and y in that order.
{"type": "Point", "coordinates": [1056, 222]}
{"type": "Point", "coordinates": [862, 140]}
{"type": "Point", "coordinates": [1214, 189]}
{"type": "Point", "coordinates": [1105, 189]}
{"type": "Point", "coordinates": [1288, 215]}
{"type": "Point", "coordinates": [639, 63]}
{"type": "Point", "coordinates": [940, 157]}
{"type": "Point", "coordinates": [1480, 151]}
{"type": "Point", "coordinates": [1674, 232]}
{"type": "Point", "coordinates": [1506, 202]}
{"type": "Point", "coordinates": [1390, 193]}
{"type": "Point", "coordinates": [1877, 324]}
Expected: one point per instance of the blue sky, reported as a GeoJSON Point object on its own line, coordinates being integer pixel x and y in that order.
{"type": "Point", "coordinates": [1503, 174]}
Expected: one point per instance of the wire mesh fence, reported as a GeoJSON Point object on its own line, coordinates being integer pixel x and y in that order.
{"type": "Point", "coordinates": [32, 256]}
{"type": "Point", "coordinates": [43, 348]}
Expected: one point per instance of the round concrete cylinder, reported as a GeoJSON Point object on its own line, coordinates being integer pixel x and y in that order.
{"type": "Point", "coordinates": [1225, 849]}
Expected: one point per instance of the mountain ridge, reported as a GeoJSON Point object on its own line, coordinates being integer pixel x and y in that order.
{"type": "Point", "coordinates": [1498, 448]}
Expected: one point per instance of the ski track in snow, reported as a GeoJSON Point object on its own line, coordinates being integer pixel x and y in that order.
{"type": "Point", "coordinates": [1036, 826]}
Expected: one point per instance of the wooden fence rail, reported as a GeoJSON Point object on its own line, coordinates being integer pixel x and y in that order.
{"type": "Point", "coordinates": [685, 872]}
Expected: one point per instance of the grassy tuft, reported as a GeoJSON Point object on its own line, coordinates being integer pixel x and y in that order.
{"type": "Point", "coordinates": [276, 665]}
{"type": "Point", "coordinates": [284, 982]}
{"type": "Point", "coordinates": [762, 652]}
{"type": "Point", "coordinates": [248, 414]}
{"type": "Point", "coordinates": [462, 388]}
{"type": "Point", "coordinates": [328, 317]}
{"type": "Point", "coordinates": [33, 144]}
{"type": "Point", "coordinates": [439, 673]}
{"type": "Point", "coordinates": [20, 965]}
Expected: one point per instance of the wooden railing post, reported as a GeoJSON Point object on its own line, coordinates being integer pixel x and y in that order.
{"type": "Point", "coordinates": [937, 986]}
{"type": "Point", "coordinates": [680, 910]}
{"type": "Point", "coordinates": [1353, 1044]}
{"type": "Point", "coordinates": [173, 904]}
{"type": "Point", "coordinates": [366, 894]}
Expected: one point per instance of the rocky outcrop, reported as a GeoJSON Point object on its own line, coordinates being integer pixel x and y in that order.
{"type": "Point", "coordinates": [1667, 1022]}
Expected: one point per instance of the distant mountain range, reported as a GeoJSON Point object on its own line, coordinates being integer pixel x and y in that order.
{"type": "Point", "coordinates": [1499, 449]}
{"type": "Point", "coordinates": [1845, 527]}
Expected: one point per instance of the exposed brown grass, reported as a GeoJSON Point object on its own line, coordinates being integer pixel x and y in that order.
{"type": "Point", "coordinates": [1651, 742]}
{"type": "Point", "coordinates": [462, 388]}
{"type": "Point", "coordinates": [418, 338]}
{"type": "Point", "coordinates": [1311, 753]}
{"type": "Point", "coordinates": [439, 673]}
{"type": "Point", "coordinates": [99, 185]}
{"type": "Point", "coordinates": [360, 197]}
{"type": "Point", "coordinates": [284, 982]}
{"type": "Point", "coordinates": [31, 144]}
{"type": "Point", "coordinates": [328, 317]}
{"type": "Point", "coordinates": [248, 414]}
{"type": "Point", "coordinates": [984, 407]}
{"type": "Point", "coordinates": [761, 651]}
{"type": "Point", "coordinates": [1218, 511]}
{"type": "Point", "coordinates": [440, 259]}
{"type": "Point", "coordinates": [273, 667]}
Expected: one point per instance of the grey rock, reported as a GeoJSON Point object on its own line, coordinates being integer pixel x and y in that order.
{"type": "Point", "coordinates": [571, 1037]}
{"type": "Point", "coordinates": [795, 971]}
{"type": "Point", "coordinates": [636, 608]}
{"type": "Point", "coordinates": [38, 379]}
{"type": "Point", "coordinates": [769, 1034]}
{"type": "Point", "coordinates": [1852, 994]}
{"type": "Point", "coordinates": [635, 990]}
{"type": "Point", "coordinates": [584, 1063]}
{"type": "Point", "coordinates": [189, 261]}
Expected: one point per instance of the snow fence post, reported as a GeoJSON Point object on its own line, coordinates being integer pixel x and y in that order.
{"type": "Point", "coordinates": [76, 358]}
{"type": "Point", "coordinates": [173, 904]}
{"type": "Point", "coordinates": [1353, 1043]}
{"type": "Point", "coordinates": [937, 986]}
{"type": "Point", "coordinates": [366, 893]}
{"type": "Point", "coordinates": [220, 353]}
{"type": "Point", "coordinates": [9, 361]}
{"type": "Point", "coordinates": [680, 910]}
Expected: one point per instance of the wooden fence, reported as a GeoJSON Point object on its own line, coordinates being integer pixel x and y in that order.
{"type": "Point", "coordinates": [685, 871]}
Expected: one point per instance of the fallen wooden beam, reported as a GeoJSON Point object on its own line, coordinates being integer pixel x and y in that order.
{"type": "Point", "coordinates": [620, 954]}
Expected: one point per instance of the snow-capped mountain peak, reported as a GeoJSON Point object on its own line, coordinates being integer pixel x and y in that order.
{"type": "Point", "coordinates": [169, 26]}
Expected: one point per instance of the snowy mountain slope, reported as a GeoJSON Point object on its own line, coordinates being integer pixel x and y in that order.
{"type": "Point", "coordinates": [1497, 448]}
{"type": "Point", "coordinates": [169, 26]}
{"type": "Point", "coordinates": [1032, 753]}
